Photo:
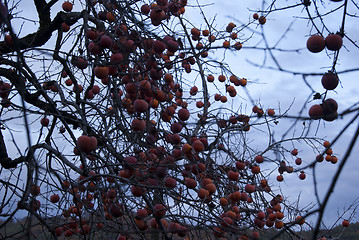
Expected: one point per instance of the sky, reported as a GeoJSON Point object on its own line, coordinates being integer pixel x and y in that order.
{"type": "Point", "coordinates": [274, 88]}
{"type": "Point", "coordinates": [279, 89]}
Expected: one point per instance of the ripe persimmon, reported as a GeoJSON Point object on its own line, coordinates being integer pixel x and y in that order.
{"type": "Point", "coordinates": [333, 42]}
{"type": "Point", "coordinates": [315, 43]}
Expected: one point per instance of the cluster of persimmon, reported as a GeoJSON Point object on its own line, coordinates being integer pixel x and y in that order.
{"type": "Point", "coordinates": [271, 217]}
{"type": "Point", "coordinates": [329, 157]}
{"type": "Point", "coordinates": [327, 110]}
{"type": "Point", "coordinates": [261, 19]}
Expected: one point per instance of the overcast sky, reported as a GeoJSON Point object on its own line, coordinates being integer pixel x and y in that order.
{"type": "Point", "coordinates": [276, 87]}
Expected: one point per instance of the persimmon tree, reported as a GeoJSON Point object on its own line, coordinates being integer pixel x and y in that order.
{"type": "Point", "coordinates": [123, 119]}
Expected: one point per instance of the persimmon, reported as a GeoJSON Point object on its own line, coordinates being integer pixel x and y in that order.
{"type": "Point", "coordinates": [211, 38]}
{"type": "Point", "coordinates": [92, 35]}
{"type": "Point", "coordinates": [191, 183]}
{"type": "Point", "coordinates": [280, 178]}
{"type": "Point", "coordinates": [294, 152]}
{"type": "Point", "coordinates": [193, 91]}
{"type": "Point", "coordinates": [45, 121]}
{"type": "Point", "coordinates": [199, 104]}
{"type": "Point", "coordinates": [203, 193]}
{"type": "Point", "coordinates": [116, 58]}
{"type": "Point", "coordinates": [105, 41]}
{"type": "Point", "coordinates": [101, 72]}
{"type": "Point", "coordinates": [221, 78]}
{"type": "Point", "coordinates": [204, 54]}
{"type": "Point", "coordinates": [237, 46]}
{"type": "Point", "coordinates": [226, 221]}
{"type": "Point", "coordinates": [211, 188]}
{"type": "Point", "coordinates": [65, 27]}
{"type": "Point", "coordinates": [235, 196]}
{"type": "Point", "coordinates": [67, 6]}
{"type": "Point", "coordinates": [269, 223]}
{"type": "Point", "coordinates": [255, 169]}
{"type": "Point", "coordinates": [195, 32]}
{"type": "Point", "coordinates": [159, 210]}
{"type": "Point", "coordinates": [199, 46]}
{"type": "Point", "coordinates": [319, 158]}
{"type": "Point", "coordinates": [329, 151]}
{"type": "Point", "coordinates": [58, 231]}
{"type": "Point", "coordinates": [233, 36]}
{"type": "Point", "coordinates": [330, 106]}
{"type": "Point", "coordinates": [186, 148]}
{"type": "Point", "coordinates": [230, 27]}
{"type": "Point", "coordinates": [226, 44]}
{"type": "Point", "coordinates": [315, 43]}
{"type": "Point", "coordinates": [330, 80]}
{"type": "Point", "coordinates": [279, 224]}
{"type": "Point", "coordinates": [206, 180]}
{"type": "Point", "coordinates": [240, 165]}
{"type": "Point", "coordinates": [218, 232]}
{"type": "Point", "coordinates": [176, 127]}
{"type": "Point", "coordinates": [255, 16]}
{"type": "Point", "coordinates": [316, 112]}
{"type": "Point", "coordinates": [259, 159]}
{"type": "Point", "coordinates": [302, 175]}
{"type": "Point", "coordinates": [279, 215]}
{"type": "Point", "coordinates": [110, 17]}
{"type": "Point", "coordinates": [234, 176]}
{"type": "Point", "coordinates": [231, 214]}
{"type": "Point", "coordinates": [249, 188]}
{"type": "Point", "coordinates": [223, 202]}
{"type": "Point", "coordinates": [223, 99]}
{"type": "Point", "coordinates": [328, 158]}
{"type": "Point", "coordinates": [210, 78]}
{"type": "Point", "coordinates": [230, 89]}
{"type": "Point", "coordinates": [334, 160]}
{"type": "Point", "coordinates": [137, 191]}
{"type": "Point", "coordinates": [345, 223]}
{"type": "Point", "coordinates": [198, 146]}
{"type": "Point", "coordinates": [233, 120]}
{"type": "Point", "coordinates": [270, 112]}
{"type": "Point", "coordinates": [54, 198]}
{"type": "Point", "coordinates": [86, 144]}
{"type": "Point", "coordinates": [158, 46]}
{"type": "Point", "coordinates": [170, 182]}
{"type": "Point", "coordinates": [333, 42]}
{"type": "Point", "coordinates": [138, 125]}
{"type": "Point", "coordinates": [205, 33]}
{"type": "Point", "coordinates": [326, 144]}
{"type": "Point", "coordinates": [262, 20]}
{"type": "Point", "coordinates": [140, 105]}
{"type": "Point", "coordinates": [183, 114]}
{"type": "Point", "coordinates": [300, 220]}
{"type": "Point", "coordinates": [145, 9]}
